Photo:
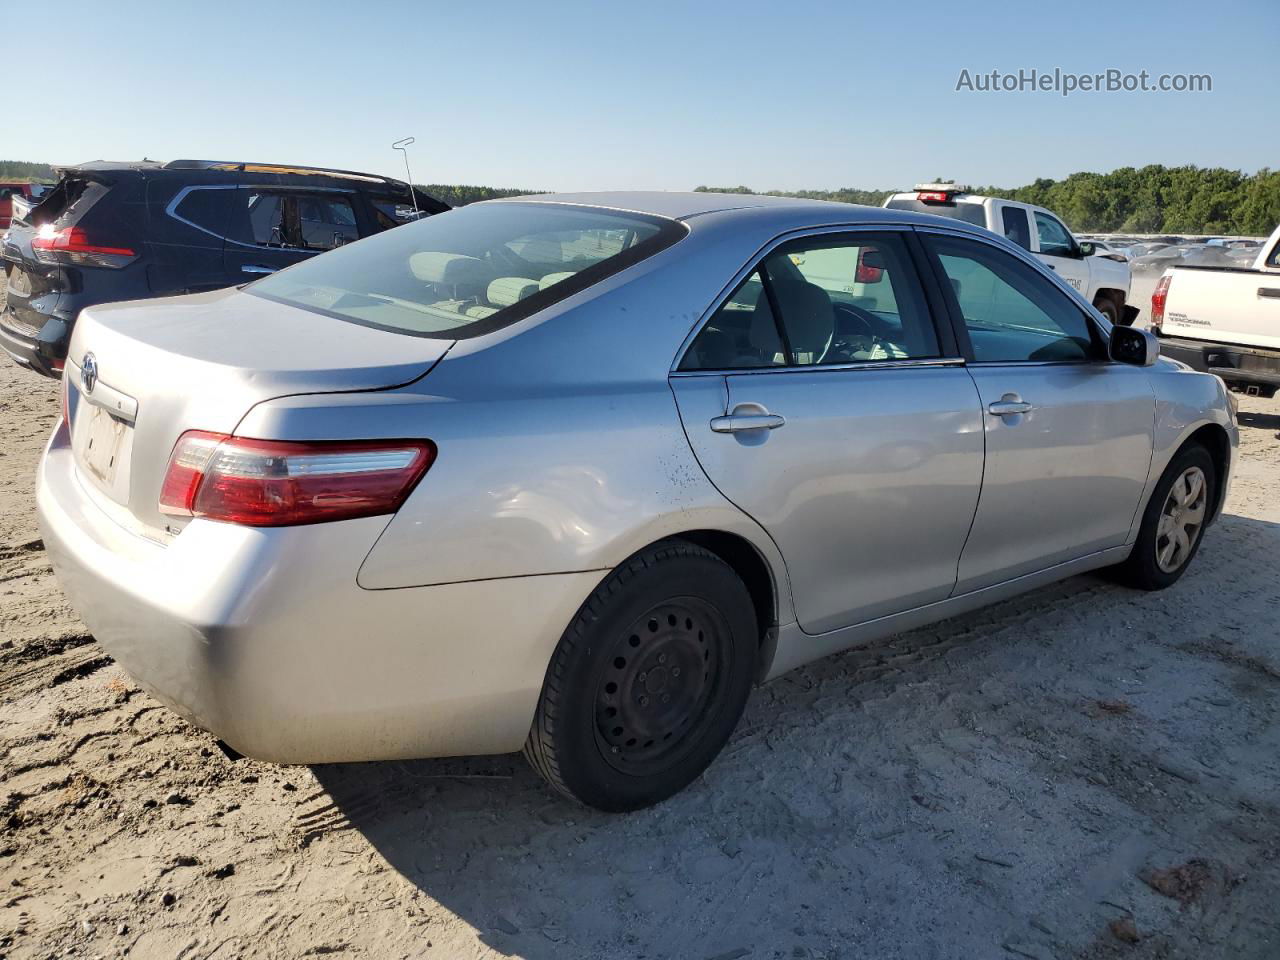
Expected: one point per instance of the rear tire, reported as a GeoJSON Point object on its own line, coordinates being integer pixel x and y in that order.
{"type": "Point", "coordinates": [1173, 522]}
{"type": "Point", "coordinates": [648, 681]}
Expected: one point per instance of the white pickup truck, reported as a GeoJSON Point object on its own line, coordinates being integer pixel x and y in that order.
{"type": "Point", "coordinates": [1224, 320]}
{"type": "Point", "coordinates": [1103, 279]}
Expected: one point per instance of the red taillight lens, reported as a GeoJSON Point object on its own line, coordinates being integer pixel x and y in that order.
{"type": "Point", "coordinates": [933, 196]}
{"type": "Point", "coordinates": [869, 268]}
{"type": "Point", "coordinates": [273, 483]}
{"type": "Point", "coordinates": [73, 245]}
{"type": "Point", "coordinates": [1158, 297]}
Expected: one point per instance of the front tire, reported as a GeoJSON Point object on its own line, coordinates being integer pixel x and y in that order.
{"type": "Point", "coordinates": [1109, 309]}
{"type": "Point", "coordinates": [1174, 521]}
{"type": "Point", "coordinates": [648, 682]}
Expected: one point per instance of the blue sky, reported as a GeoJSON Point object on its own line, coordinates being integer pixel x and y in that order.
{"type": "Point", "coordinates": [648, 95]}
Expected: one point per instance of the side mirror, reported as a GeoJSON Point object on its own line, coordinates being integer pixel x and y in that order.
{"type": "Point", "coordinates": [1086, 248]}
{"type": "Point", "coordinates": [1134, 346]}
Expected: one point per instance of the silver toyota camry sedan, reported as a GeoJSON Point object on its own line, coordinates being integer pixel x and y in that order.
{"type": "Point", "coordinates": [573, 473]}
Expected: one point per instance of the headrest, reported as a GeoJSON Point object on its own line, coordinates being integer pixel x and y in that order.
{"type": "Point", "coordinates": [551, 278]}
{"type": "Point", "coordinates": [505, 291]}
{"type": "Point", "coordinates": [449, 268]}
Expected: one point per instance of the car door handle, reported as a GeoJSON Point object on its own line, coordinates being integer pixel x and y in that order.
{"type": "Point", "coordinates": [256, 269]}
{"type": "Point", "coordinates": [1270, 293]}
{"type": "Point", "coordinates": [1008, 405]}
{"type": "Point", "coordinates": [752, 417]}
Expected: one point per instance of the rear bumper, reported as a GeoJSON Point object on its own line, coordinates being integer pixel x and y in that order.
{"type": "Point", "coordinates": [1239, 366]}
{"type": "Point", "coordinates": [44, 352]}
{"type": "Point", "coordinates": [264, 638]}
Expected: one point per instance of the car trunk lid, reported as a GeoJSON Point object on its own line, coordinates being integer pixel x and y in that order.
{"type": "Point", "coordinates": [141, 374]}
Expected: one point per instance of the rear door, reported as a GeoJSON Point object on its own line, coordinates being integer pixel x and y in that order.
{"type": "Point", "coordinates": [188, 232]}
{"type": "Point", "coordinates": [1068, 433]}
{"type": "Point", "coordinates": [823, 401]}
{"type": "Point", "coordinates": [1057, 248]}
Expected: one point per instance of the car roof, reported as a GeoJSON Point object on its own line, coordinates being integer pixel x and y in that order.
{"type": "Point", "coordinates": [229, 167]}
{"type": "Point", "coordinates": [782, 213]}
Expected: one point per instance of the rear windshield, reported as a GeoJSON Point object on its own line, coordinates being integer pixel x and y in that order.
{"type": "Point", "coordinates": [964, 210]}
{"type": "Point", "coordinates": [471, 270]}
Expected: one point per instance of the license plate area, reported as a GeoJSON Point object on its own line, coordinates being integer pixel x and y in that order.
{"type": "Point", "coordinates": [102, 444]}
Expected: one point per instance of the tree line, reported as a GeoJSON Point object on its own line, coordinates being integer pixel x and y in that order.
{"type": "Point", "coordinates": [1150, 199]}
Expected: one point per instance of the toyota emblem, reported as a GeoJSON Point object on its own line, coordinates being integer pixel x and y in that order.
{"type": "Point", "coordinates": [88, 373]}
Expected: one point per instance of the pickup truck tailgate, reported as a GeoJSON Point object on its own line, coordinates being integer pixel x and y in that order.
{"type": "Point", "coordinates": [1224, 306]}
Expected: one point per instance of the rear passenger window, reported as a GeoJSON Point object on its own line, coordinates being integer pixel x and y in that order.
{"type": "Point", "coordinates": [839, 300]}
{"type": "Point", "coordinates": [1016, 227]}
{"type": "Point", "coordinates": [742, 334]}
{"type": "Point", "coordinates": [1011, 313]}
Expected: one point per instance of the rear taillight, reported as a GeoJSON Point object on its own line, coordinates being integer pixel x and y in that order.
{"type": "Point", "coordinates": [1158, 298]}
{"type": "Point", "coordinates": [933, 196]}
{"type": "Point", "coordinates": [273, 483]}
{"type": "Point", "coordinates": [75, 247]}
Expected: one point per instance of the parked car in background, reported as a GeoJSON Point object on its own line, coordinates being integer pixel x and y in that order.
{"type": "Point", "coordinates": [1103, 248]}
{"type": "Point", "coordinates": [572, 473]}
{"type": "Point", "coordinates": [1224, 319]}
{"type": "Point", "coordinates": [128, 231]}
{"type": "Point", "coordinates": [11, 193]}
{"type": "Point", "coordinates": [1103, 281]}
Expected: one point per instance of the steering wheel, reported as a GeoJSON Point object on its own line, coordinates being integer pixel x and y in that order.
{"type": "Point", "coordinates": [864, 319]}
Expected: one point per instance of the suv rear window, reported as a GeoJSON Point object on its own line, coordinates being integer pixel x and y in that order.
{"type": "Point", "coordinates": [471, 270]}
{"type": "Point", "coordinates": [964, 210]}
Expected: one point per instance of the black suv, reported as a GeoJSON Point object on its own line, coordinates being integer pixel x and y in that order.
{"type": "Point", "coordinates": [127, 231]}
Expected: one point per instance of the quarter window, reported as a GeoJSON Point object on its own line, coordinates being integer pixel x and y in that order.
{"type": "Point", "coordinates": [838, 301]}
{"type": "Point", "coordinates": [206, 208]}
{"type": "Point", "coordinates": [1055, 239]}
{"type": "Point", "coordinates": [1010, 312]}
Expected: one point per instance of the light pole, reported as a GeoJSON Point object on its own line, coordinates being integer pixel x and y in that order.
{"type": "Point", "coordinates": [403, 147]}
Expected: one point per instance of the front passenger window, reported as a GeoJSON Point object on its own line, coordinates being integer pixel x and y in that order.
{"type": "Point", "coordinates": [1011, 313]}
{"type": "Point", "coordinates": [1055, 241]}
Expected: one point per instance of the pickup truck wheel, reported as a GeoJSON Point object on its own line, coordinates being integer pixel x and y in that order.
{"type": "Point", "coordinates": [648, 681]}
{"type": "Point", "coordinates": [1109, 309]}
{"type": "Point", "coordinates": [1173, 523]}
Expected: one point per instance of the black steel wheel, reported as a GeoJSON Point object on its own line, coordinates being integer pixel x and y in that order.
{"type": "Point", "coordinates": [649, 680]}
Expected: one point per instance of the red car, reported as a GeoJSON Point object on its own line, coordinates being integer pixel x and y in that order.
{"type": "Point", "coordinates": [7, 192]}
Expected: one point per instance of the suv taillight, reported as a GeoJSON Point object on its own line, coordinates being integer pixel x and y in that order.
{"type": "Point", "coordinates": [1158, 298]}
{"type": "Point", "coordinates": [273, 483]}
{"type": "Point", "coordinates": [73, 246]}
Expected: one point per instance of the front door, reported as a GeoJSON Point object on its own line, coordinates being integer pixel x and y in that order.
{"type": "Point", "coordinates": [1058, 249]}
{"type": "Point", "coordinates": [821, 399]}
{"type": "Point", "coordinates": [1068, 433]}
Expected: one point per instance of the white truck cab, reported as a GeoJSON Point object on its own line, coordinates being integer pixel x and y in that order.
{"type": "Point", "coordinates": [1104, 281]}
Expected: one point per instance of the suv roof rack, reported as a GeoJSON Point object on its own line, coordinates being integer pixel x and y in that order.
{"type": "Point", "coordinates": [284, 168]}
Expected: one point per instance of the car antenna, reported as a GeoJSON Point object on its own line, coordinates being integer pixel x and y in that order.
{"type": "Point", "coordinates": [403, 147]}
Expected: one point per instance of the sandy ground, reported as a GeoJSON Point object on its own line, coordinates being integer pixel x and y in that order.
{"type": "Point", "coordinates": [1086, 771]}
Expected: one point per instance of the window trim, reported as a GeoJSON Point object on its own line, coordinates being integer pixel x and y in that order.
{"type": "Point", "coordinates": [939, 314]}
{"type": "Point", "coordinates": [1098, 334]}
